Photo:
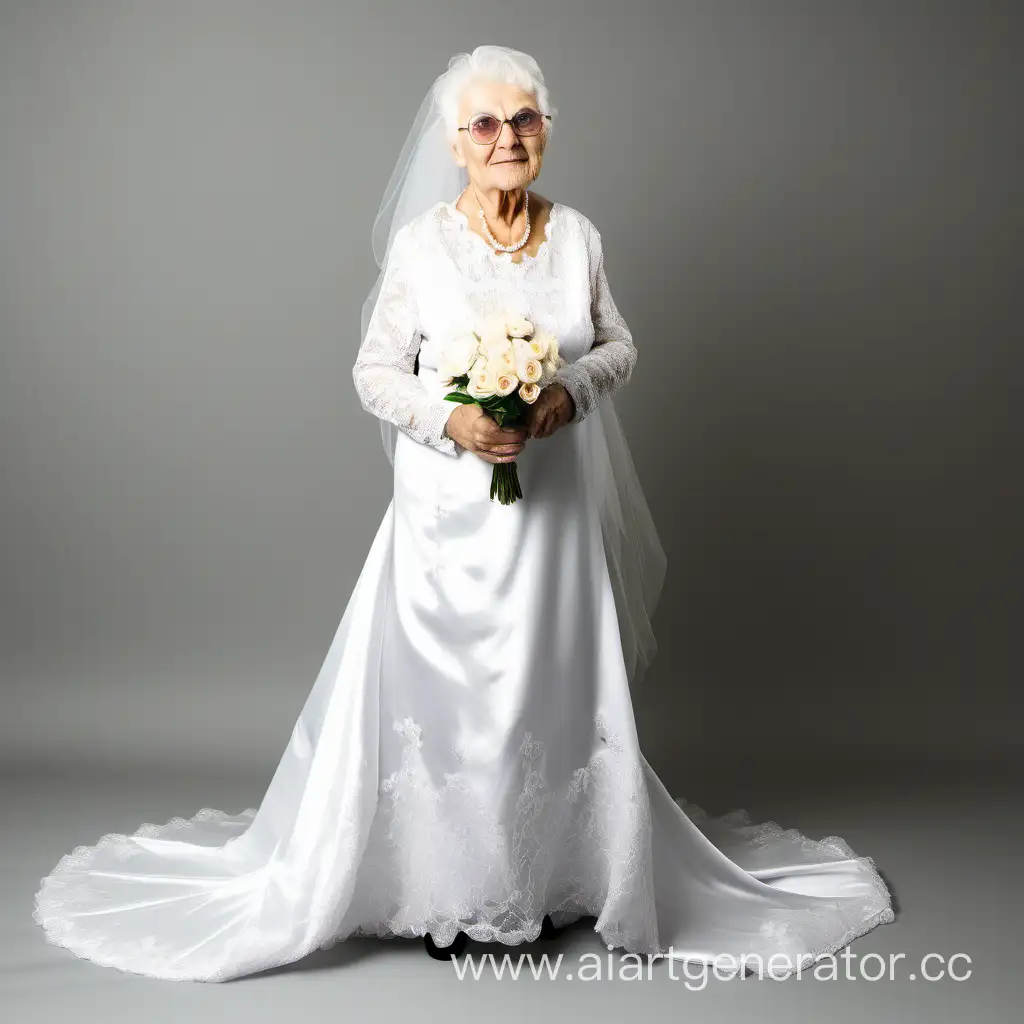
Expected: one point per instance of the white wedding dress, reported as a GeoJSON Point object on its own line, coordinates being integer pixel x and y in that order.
{"type": "Point", "coordinates": [467, 757]}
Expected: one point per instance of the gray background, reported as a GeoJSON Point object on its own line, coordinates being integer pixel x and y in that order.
{"type": "Point", "coordinates": [811, 223]}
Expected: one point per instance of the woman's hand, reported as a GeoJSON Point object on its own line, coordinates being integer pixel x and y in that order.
{"type": "Point", "coordinates": [472, 428]}
{"type": "Point", "coordinates": [552, 410]}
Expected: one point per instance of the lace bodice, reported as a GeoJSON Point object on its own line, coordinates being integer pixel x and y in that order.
{"type": "Point", "coordinates": [441, 278]}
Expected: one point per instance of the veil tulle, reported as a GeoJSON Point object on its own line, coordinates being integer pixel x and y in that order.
{"type": "Point", "coordinates": [427, 173]}
{"type": "Point", "coordinates": [424, 174]}
{"type": "Point", "coordinates": [636, 559]}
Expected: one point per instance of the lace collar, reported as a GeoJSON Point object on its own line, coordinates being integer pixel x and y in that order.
{"type": "Point", "coordinates": [460, 222]}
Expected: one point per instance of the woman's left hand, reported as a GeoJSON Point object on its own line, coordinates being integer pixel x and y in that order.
{"type": "Point", "coordinates": [553, 409]}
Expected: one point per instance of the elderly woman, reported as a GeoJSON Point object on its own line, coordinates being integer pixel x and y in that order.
{"type": "Point", "coordinates": [466, 764]}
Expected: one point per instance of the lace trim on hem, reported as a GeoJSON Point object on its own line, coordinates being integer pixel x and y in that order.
{"type": "Point", "coordinates": [803, 934]}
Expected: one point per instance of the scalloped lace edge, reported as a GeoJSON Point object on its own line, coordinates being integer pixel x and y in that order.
{"type": "Point", "coordinates": [737, 818]}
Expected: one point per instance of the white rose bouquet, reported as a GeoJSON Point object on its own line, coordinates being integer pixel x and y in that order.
{"type": "Point", "coordinates": [502, 368]}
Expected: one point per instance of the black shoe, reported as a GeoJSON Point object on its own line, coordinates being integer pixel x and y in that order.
{"type": "Point", "coordinates": [445, 952]}
{"type": "Point", "coordinates": [547, 929]}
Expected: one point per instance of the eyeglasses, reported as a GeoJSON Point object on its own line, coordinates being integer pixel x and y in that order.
{"type": "Point", "coordinates": [485, 128]}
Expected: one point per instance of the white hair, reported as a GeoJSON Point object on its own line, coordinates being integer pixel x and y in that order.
{"type": "Point", "coordinates": [497, 63]}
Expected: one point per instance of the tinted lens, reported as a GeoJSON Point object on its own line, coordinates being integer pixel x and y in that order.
{"type": "Point", "coordinates": [527, 121]}
{"type": "Point", "coordinates": [485, 128]}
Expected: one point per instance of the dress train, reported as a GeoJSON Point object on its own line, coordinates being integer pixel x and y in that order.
{"type": "Point", "coordinates": [385, 817]}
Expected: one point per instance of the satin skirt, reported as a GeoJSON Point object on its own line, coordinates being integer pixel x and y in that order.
{"type": "Point", "coordinates": [467, 759]}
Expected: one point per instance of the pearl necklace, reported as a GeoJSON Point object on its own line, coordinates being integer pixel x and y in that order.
{"type": "Point", "coordinates": [515, 246]}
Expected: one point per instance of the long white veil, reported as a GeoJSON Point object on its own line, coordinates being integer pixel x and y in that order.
{"type": "Point", "coordinates": [426, 173]}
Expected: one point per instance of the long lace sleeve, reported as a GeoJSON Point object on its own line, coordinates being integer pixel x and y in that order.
{"type": "Point", "coordinates": [599, 373]}
{"type": "Point", "coordinates": [384, 370]}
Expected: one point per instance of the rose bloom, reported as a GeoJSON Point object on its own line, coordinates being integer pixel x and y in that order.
{"type": "Point", "coordinates": [482, 384]}
{"type": "Point", "coordinates": [529, 392]}
{"type": "Point", "coordinates": [541, 343]}
{"type": "Point", "coordinates": [518, 327]}
{"type": "Point", "coordinates": [493, 332]}
{"type": "Point", "coordinates": [458, 355]}
{"type": "Point", "coordinates": [528, 368]}
{"type": "Point", "coordinates": [506, 384]}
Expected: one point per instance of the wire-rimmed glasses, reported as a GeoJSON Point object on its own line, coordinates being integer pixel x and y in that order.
{"type": "Point", "coordinates": [485, 128]}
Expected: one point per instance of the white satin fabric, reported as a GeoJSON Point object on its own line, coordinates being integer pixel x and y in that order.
{"type": "Point", "coordinates": [467, 759]}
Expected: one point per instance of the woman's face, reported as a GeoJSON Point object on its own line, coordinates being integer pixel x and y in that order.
{"type": "Point", "coordinates": [510, 161]}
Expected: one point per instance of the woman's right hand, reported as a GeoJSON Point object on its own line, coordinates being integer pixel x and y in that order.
{"type": "Point", "coordinates": [472, 428]}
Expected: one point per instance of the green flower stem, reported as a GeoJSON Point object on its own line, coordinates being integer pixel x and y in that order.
{"type": "Point", "coordinates": [505, 482]}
